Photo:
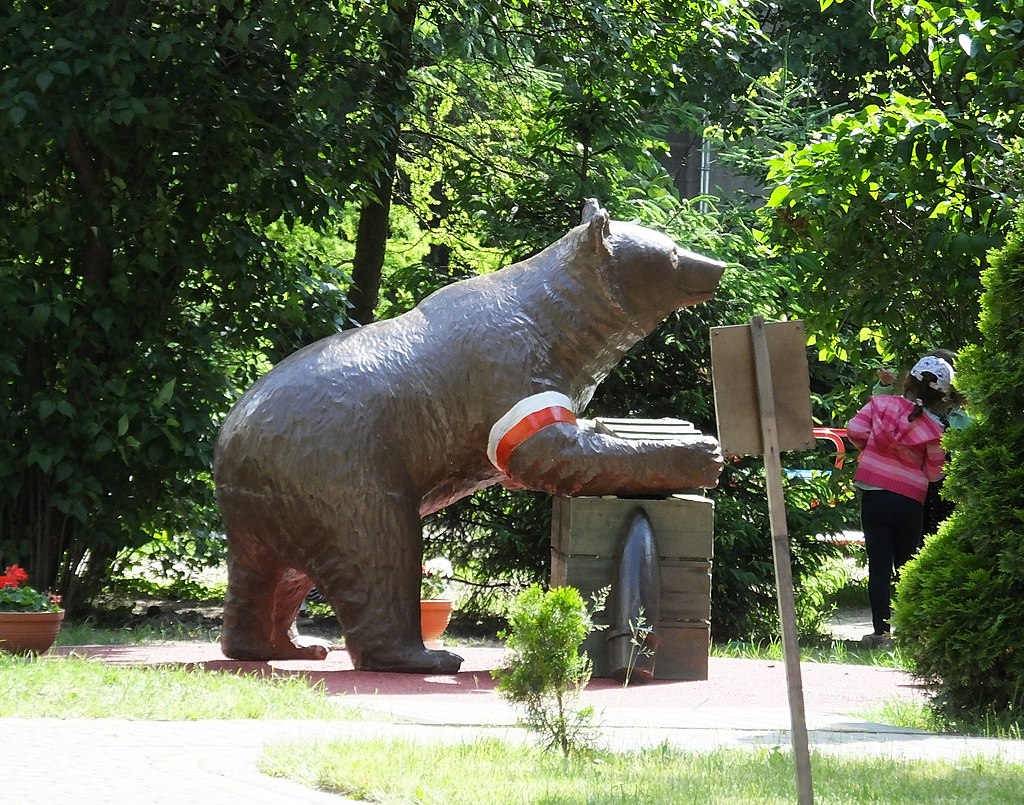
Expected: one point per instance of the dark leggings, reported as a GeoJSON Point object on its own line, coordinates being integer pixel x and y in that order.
{"type": "Point", "coordinates": [892, 527]}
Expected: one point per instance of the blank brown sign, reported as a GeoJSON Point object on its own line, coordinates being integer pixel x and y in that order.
{"type": "Point", "coordinates": [735, 384]}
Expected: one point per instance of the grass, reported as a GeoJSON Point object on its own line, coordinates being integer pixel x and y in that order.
{"type": "Point", "coordinates": [908, 715]}
{"type": "Point", "coordinates": [75, 687]}
{"type": "Point", "coordinates": [897, 713]}
{"type": "Point", "coordinates": [836, 651]}
{"type": "Point", "coordinates": [87, 633]}
{"type": "Point", "coordinates": [921, 716]}
{"type": "Point", "coordinates": [401, 771]}
{"type": "Point", "coordinates": [88, 689]}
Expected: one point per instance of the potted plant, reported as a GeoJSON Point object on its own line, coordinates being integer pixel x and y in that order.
{"type": "Point", "coordinates": [435, 600]}
{"type": "Point", "coordinates": [29, 619]}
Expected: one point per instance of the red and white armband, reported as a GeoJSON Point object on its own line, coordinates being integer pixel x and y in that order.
{"type": "Point", "coordinates": [523, 420]}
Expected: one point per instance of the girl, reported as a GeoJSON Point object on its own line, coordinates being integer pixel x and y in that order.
{"type": "Point", "coordinates": [901, 452]}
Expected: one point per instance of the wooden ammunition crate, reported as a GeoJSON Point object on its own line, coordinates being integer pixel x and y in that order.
{"type": "Point", "coordinates": [585, 537]}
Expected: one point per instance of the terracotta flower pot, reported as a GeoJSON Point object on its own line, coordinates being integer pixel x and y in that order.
{"type": "Point", "coordinates": [435, 613]}
{"type": "Point", "coordinates": [29, 632]}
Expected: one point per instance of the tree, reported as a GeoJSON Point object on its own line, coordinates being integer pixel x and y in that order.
{"type": "Point", "coordinates": [390, 36]}
{"type": "Point", "coordinates": [167, 172]}
{"type": "Point", "coordinates": [960, 603]}
{"type": "Point", "coordinates": [830, 46]}
{"type": "Point", "coordinates": [146, 151]}
{"type": "Point", "coordinates": [500, 119]}
{"type": "Point", "coordinates": [890, 209]}
{"type": "Point", "coordinates": [669, 375]}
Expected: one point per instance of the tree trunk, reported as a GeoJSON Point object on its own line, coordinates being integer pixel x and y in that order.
{"type": "Point", "coordinates": [392, 92]}
{"type": "Point", "coordinates": [371, 244]}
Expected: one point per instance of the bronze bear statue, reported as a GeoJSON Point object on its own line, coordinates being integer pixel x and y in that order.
{"type": "Point", "coordinates": [325, 467]}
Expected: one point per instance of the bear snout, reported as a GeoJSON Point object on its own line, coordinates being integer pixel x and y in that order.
{"type": "Point", "coordinates": [700, 275]}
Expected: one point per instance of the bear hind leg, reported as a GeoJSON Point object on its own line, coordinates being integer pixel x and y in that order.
{"type": "Point", "coordinates": [262, 601]}
{"type": "Point", "coordinates": [377, 593]}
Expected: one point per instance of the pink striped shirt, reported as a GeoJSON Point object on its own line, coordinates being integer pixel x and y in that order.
{"type": "Point", "coordinates": [896, 454]}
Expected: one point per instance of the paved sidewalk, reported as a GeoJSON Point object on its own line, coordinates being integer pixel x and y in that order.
{"type": "Point", "coordinates": [741, 705]}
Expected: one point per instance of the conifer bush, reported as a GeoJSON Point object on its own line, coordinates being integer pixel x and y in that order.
{"type": "Point", "coordinates": [546, 670]}
{"type": "Point", "coordinates": [959, 610]}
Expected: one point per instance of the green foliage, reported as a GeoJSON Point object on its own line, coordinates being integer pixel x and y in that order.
{"type": "Point", "coordinates": [166, 586]}
{"type": "Point", "coordinates": [145, 153]}
{"type": "Point", "coordinates": [831, 48]}
{"type": "Point", "coordinates": [181, 190]}
{"type": "Point", "coordinates": [502, 534]}
{"type": "Point", "coordinates": [26, 599]}
{"type": "Point", "coordinates": [902, 204]}
{"type": "Point", "coordinates": [853, 594]}
{"type": "Point", "coordinates": [811, 70]}
{"type": "Point", "coordinates": [835, 651]}
{"type": "Point", "coordinates": [170, 173]}
{"type": "Point", "coordinates": [669, 374]}
{"type": "Point", "coordinates": [578, 105]}
{"type": "Point", "coordinates": [960, 606]}
{"type": "Point", "coordinates": [435, 578]}
{"type": "Point", "coordinates": [640, 647]}
{"type": "Point", "coordinates": [743, 597]}
{"type": "Point", "coordinates": [894, 203]}
{"type": "Point", "coordinates": [110, 631]}
{"type": "Point", "coordinates": [172, 559]}
{"type": "Point", "coordinates": [545, 670]}
{"type": "Point", "coordinates": [499, 540]}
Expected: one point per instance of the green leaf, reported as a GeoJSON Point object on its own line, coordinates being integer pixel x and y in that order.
{"type": "Point", "coordinates": [967, 45]}
{"type": "Point", "coordinates": [164, 395]}
{"type": "Point", "coordinates": [40, 315]}
{"type": "Point", "coordinates": [779, 194]}
{"type": "Point", "coordinates": [41, 459]}
{"type": "Point", "coordinates": [29, 236]}
{"type": "Point", "coordinates": [105, 318]}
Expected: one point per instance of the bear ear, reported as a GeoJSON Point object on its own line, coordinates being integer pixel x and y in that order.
{"type": "Point", "coordinates": [591, 207]}
{"type": "Point", "coordinates": [598, 229]}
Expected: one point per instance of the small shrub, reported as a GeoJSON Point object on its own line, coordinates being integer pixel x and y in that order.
{"type": "Point", "coordinates": [545, 671]}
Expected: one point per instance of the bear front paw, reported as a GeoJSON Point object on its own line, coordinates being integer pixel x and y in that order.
{"type": "Point", "coordinates": [414, 661]}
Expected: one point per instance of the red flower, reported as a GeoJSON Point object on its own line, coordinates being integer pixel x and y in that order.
{"type": "Point", "coordinates": [25, 599]}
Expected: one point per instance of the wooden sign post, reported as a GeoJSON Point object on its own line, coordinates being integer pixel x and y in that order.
{"type": "Point", "coordinates": [743, 359]}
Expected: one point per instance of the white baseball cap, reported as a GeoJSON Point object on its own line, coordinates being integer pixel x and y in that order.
{"type": "Point", "coordinates": [937, 366]}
